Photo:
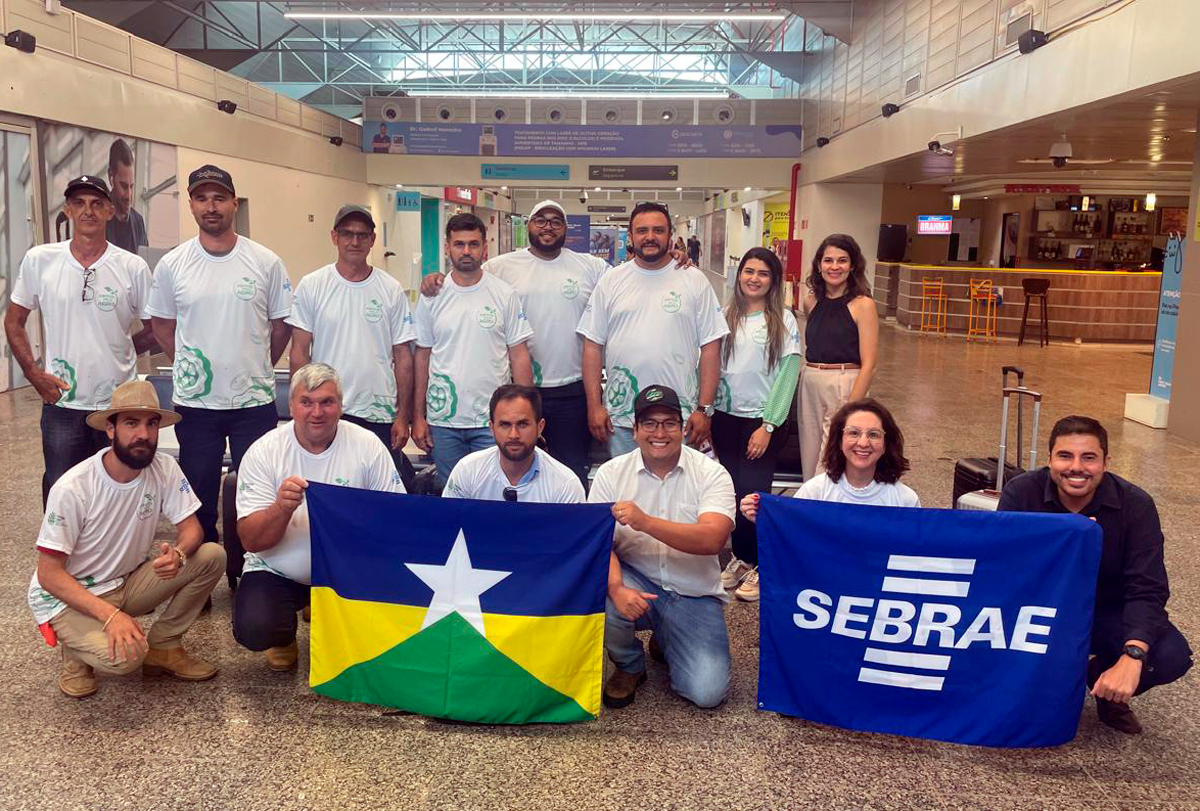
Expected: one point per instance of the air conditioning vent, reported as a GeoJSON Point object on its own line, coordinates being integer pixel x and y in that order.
{"type": "Point", "coordinates": [912, 85]}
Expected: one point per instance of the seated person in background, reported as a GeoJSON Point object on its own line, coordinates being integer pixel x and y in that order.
{"type": "Point", "coordinates": [98, 565]}
{"type": "Point", "coordinates": [674, 508]}
{"type": "Point", "coordinates": [516, 469]}
{"type": "Point", "coordinates": [1134, 645]}
{"type": "Point", "coordinates": [863, 463]}
{"type": "Point", "coordinates": [273, 516]}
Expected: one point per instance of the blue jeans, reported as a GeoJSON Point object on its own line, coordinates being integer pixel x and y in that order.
{"type": "Point", "coordinates": [621, 441]}
{"type": "Point", "coordinates": [66, 441]}
{"type": "Point", "coordinates": [450, 445]}
{"type": "Point", "coordinates": [691, 632]}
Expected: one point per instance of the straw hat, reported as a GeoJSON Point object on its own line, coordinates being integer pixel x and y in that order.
{"type": "Point", "coordinates": [135, 395]}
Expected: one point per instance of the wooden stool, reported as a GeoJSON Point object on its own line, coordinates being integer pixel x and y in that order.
{"type": "Point", "coordinates": [982, 318]}
{"type": "Point", "coordinates": [933, 306]}
{"type": "Point", "coordinates": [1036, 289]}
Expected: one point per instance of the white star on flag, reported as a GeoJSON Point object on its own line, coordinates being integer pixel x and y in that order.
{"type": "Point", "coordinates": [456, 586]}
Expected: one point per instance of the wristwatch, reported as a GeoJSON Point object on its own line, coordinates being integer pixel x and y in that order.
{"type": "Point", "coordinates": [1134, 652]}
{"type": "Point", "coordinates": [707, 409]}
{"type": "Point", "coordinates": [768, 427]}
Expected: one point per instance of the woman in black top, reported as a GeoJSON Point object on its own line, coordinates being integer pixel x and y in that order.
{"type": "Point", "coordinates": [841, 342]}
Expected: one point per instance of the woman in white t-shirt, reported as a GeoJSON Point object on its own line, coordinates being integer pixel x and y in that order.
{"type": "Point", "coordinates": [863, 462]}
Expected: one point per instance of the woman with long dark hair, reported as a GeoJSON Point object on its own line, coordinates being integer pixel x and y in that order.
{"type": "Point", "coordinates": [760, 363]}
{"type": "Point", "coordinates": [841, 339]}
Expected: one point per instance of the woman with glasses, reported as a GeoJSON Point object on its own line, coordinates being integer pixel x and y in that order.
{"type": "Point", "coordinates": [760, 363]}
{"type": "Point", "coordinates": [841, 339]}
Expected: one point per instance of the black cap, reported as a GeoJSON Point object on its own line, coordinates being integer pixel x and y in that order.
{"type": "Point", "coordinates": [87, 183]}
{"type": "Point", "coordinates": [210, 174]}
{"type": "Point", "coordinates": [351, 209]}
{"type": "Point", "coordinates": [656, 397]}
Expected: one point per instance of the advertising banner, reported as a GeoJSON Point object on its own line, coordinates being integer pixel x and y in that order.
{"type": "Point", "coordinates": [578, 232]}
{"type": "Point", "coordinates": [777, 228]}
{"type": "Point", "coordinates": [1168, 318]}
{"type": "Point", "coordinates": [603, 243]}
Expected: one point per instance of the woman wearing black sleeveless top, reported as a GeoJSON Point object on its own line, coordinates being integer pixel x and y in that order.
{"type": "Point", "coordinates": [841, 341]}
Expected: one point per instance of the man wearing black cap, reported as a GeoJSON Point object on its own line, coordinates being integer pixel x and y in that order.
{"type": "Point", "coordinates": [355, 318]}
{"type": "Point", "coordinates": [218, 303]}
{"type": "Point", "coordinates": [674, 508]}
{"type": "Point", "coordinates": [92, 296]}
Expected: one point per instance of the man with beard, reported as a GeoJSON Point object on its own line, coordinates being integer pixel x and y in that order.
{"type": "Point", "coordinates": [218, 304]}
{"type": "Point", "coordinates": [92, 297]}
{"type": "Point", "coordinates": [650, 320]}
{"type": "Point", "coordinates": [471, 340]}
{"type": "Point", "coordinates": [1134, 646]}
{"type": "Point", "coordinates": [315, 446]}
{"type": "Point", "coordinates": [516, 469]}
{"type": "Point", "coordinates": [554, 284]}
{"type": "Point", "coordinates": [127, 229]}
{"type": "Point", "coordinates": [99, 566]}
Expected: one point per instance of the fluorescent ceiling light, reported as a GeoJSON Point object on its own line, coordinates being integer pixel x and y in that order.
{"type": "Point", "coordinates": [533, 17]}
{"type": "Point", "coordinates": [566, 94]}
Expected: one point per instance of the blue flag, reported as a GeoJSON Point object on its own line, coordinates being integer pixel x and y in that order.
{"type": "Point", "coordinates": [971, 627]}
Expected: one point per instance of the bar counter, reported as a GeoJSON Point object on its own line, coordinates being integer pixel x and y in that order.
{"type": "Point", "coordinates": [1093, 305]}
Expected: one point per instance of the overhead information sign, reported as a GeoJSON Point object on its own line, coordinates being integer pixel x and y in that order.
{"type": "Point", "coordinates": [525, 171]}
{"type": "Point", "coordinates": [631, 172]}
{"type": "Point", "coordinates": [606, 209]}
{"type": "Point", "coordinates": [408, 201]}
{"type": "Point", "coordinates": [935, 223]}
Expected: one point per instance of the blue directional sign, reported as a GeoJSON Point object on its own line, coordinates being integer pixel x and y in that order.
{"type": "Point", "coordinates": [525, 171]}
{"type": "Point", "coordinates": [408, 201]}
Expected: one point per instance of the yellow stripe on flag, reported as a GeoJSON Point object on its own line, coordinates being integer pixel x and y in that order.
{"type": "Point", "coordinates": [348, 632]}
{"type": "Point", "coordinates": [565, 653]}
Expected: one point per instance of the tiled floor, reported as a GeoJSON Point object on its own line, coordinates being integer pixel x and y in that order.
{"type": "Point", "coordinates": [252, 739]}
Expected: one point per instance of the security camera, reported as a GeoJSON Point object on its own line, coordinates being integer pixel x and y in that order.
{"type": "Point", "coordinates": [1059, 162]}
{"type": "Point", "coordinates": [935, 145]}
{"type": "Point", "coordinates": [583, 198]}
{"type": "Point", "coordinates": [1060, 152]}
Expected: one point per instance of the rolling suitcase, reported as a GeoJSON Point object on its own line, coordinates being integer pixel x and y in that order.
{"type": "Point", "coordinates": [988, 498]}
{"type": "Point", "coordinates": [975, 473]}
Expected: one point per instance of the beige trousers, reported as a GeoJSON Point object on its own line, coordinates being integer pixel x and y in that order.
{"type": "Point", "coordinates": [822, 392]}
{"type": "Point", "coordinates": [81, 635]}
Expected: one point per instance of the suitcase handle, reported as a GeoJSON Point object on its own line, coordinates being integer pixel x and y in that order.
{"type": "Point", "coordinates": [1020, 391]}
{"type": "Point", "coordinates": [1017, 370]}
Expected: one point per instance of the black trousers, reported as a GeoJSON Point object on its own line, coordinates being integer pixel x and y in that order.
{"type": "Point", "coordinates": [730, 436]}
{"type": "Point", "coordinates": [567, 437]}
{"type": "Point", "coordinates": [1169, 658]}
{"type": "Point", "coordinates": [383, 430]}
{"type": "Point", "coordinates": [67, 440]}
{"type": "Point", "coordinates": [264, 610]}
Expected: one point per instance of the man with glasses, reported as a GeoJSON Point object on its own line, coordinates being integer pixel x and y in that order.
{"type": "Point", "coordinates": [355, 318]}
{"type": "Point", "coordinates": [92, 296]}
{"type": "Point", "coordinates": [554, 284]}
{"type": "Point", "coordinates": [674, 508]}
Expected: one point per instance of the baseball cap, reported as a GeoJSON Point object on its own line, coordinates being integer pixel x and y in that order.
{"type": "Point", "coordinates": [656, 397]}
{"type": "Point", "coordinates": [210, 174]}
{"type": "Point", "coordinates": [346, 210]}
{"type": "Point", "coordinates": [547, 204]}
{"type": "Point", "coordinates": [87, 183]}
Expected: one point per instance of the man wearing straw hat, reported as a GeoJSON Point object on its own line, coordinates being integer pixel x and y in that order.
{"type": "Point", "coordinates": [99, 566]}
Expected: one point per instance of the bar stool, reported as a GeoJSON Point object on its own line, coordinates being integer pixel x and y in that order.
{"type": "Point", "coordinates": [933, 306]}
{"type": "Point", "coordinates": [982, 318]}
{"type": "Point", "coordinates": [1036, 289]}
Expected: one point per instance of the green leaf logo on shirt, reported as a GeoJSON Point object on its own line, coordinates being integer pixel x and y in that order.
{"type": "Point", "coordinates": [671, 302]}
{"type": "Point", "coordinates": [537, 373]}
{"type": "Point", "coordinates": [380, 408]}
{"type": "Point", "coordinates": [341, 481]}
{"type": "Point", "coordinates": [107, 300]}
{"type": "Point", "coordinates": [146, 508]}
{"type": "Point", "coordinates": [66, 373]}
{"type": "Point", "coordinates": [373, 312]}
{"type": "Point", "coordinates": [488, 317]}
{"type": "Point", "coordinates": [55, 520]}
{"type": "Point", "coordinates": [245, 288]}
{"type": "Point", "coordinates": [441, 398]}
{"type": "Point", "coordinates": [760, 335]}
{"type": "Point", "coordinates": [252, 391]}
{"type": "Point", "coordinates": [193, 374]}
{"type": "Point", "coordinates": [621, 391]}
{"type": "Point", "coordinates": [569, 289]}
{"type": "Point", "coordinates": [724, 397]}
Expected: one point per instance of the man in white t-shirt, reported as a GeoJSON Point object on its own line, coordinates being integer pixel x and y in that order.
{"type": "Point", "coordinates": [92, 296]}
{"type": "Point", "coordinates": [355, 318]}
{"type": "Point", "coordinates": [651, 321]}
{"type": "Point", "coordinates": [471, 340]}
{"type": "Point", "coordinates": [273, 516]}
{"type": "Point", "coordinates": [99, 565]}
{"type": "Point", "coordinates": [674, 508]}
{"type": "Point", "coordinates": [516, 469]}
{"type": "Point", "coordinates": [554, 284]}
{"type": "Point", "coordinates": [218, 304]}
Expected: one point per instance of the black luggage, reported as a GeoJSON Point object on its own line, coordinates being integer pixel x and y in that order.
{"type": "Point", "coordinates": [976, 473]}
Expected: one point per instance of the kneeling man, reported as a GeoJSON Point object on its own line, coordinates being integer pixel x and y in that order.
{"type": "Point", "coordinates": [516, 469]}
{"type": "Point", "coordinates": [98, 565]}
{"type": "Point", "coordinates": [1134, 645]}
{"type": "Point", "coordinates": [674, 508]}
{"type": "Point", "coordinates": [273, 516]}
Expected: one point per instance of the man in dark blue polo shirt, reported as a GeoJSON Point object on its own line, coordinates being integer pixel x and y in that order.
{"type": "Point", "coordinates": [1134, 645]}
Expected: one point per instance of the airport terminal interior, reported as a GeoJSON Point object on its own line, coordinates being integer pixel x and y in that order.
{"type": "Point", "coordinates": [1022, 178]}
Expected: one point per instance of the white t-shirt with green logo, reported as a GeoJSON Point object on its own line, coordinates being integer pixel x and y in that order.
{"type": "Point", "coordinates": [745, 381]}
{"type": "Point", "coordinates": [89, 344]}
{"type": "Point", "coordinates": [554, 293]}
{"type": "Point", "coordinates": [223, 307]}
{"type": "Point", "coordinates": [469, 330]}
{"type": "Point", "coordinates": [356, 458]}
{"type": "Point", "coordinates": [107, 528]}
{"type": "Point", "coordinates": [651, 324]}
{"type": "Point", "coordinates": [354, 327]}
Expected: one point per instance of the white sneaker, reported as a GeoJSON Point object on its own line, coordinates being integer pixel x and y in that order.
{"type": "Point", "coordinates": [748, 590]}
{"type": "Point", "coordinates": [733, 574]}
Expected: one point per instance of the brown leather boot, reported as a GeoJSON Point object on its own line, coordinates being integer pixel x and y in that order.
{"type": "Point", "coordinates": [76, 679]}
{"type": "Point", "coordinates": [283, 658]}
{"type": "Point", "coordinates": [178, 663]}
{"type": "Point", "coordinates": [621, 688]}
{"type": "Point", "coordinates": [1118, 716]}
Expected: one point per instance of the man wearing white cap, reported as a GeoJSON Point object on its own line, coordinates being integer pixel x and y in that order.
{"type": "Point", "coordinates": [553, 283]}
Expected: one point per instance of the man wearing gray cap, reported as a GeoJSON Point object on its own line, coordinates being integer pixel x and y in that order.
{"type": "Point", "coordinates": [355, 318]}
{"type": "Point", "coordinates": [218, 304]}
{"type": "Point", "coordinates": [92, 296]}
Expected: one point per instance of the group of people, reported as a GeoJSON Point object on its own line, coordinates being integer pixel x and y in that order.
{"type": "Point", "coordinates": [505, 372]}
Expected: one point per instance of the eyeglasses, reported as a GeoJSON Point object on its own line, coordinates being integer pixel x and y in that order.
{"type": "Point", "coordinates": [874, 436]}
{"type": "Point", "coordinates": [355, 236]}
{"type": "Point", "coordinates": [651, 426]}
{"type": "Point", "coordinates": [89, 276]}
{"type": "Point", "coordinates": [544, 222]}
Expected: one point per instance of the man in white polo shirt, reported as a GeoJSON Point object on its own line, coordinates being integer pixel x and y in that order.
{"type": "Point", "coordinates": [92, 296]}
{"type": "Point", "coordinates": [516, 469]}
{"type": "Point", "coordinates": [674, 508]}
{"type": "Point", "coordinates": [273, 516]}
{"type": "Point", "coordinates": [218, 305]}
{"type": "Point", "coordinates": [355, 318]}
{"type": "Point", "coordinates": [651, 320]}
{"type": "Point", "coordinates": [471, 339]}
